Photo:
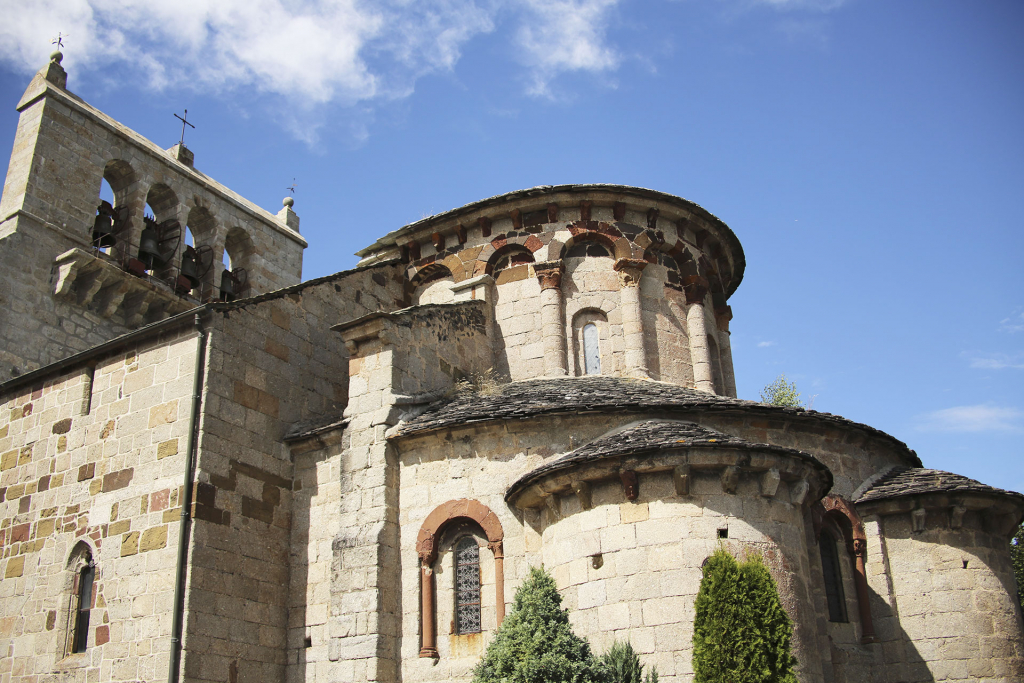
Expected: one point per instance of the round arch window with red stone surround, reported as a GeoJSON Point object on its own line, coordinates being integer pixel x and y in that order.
{"type": "Point", "coordinates": [426, 548]}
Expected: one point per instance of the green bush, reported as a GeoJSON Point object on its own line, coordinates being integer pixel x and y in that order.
{"type": "Point", "coordinates": [622, 665]}
{"type": "Point", "coordinates": [781, 393]}
{"type": "Point", "coordinates": [536, 644]}
{"type": "Point", "coordinates": [741, 633]}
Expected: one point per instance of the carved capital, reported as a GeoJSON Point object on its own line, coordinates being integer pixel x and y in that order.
{"type": "Point", "coordinates": [860, 547]}
{"type": "Point", "coordinates": [629, 270]}
{"type": "Point", "coordinates": [549, 274]}
{"type": "Point", "coordinates": [497, 549]}
{"type": "Point", "coordinates": [696, 288]}
{"type": "Point", "coordinates": [723, 314]}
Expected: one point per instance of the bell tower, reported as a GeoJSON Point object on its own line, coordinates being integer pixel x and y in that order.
{"type": "Point", "coordinates": [80, 270]}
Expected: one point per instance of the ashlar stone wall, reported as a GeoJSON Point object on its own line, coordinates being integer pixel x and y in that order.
{"type": "Point", "coordinates": [94, 458]}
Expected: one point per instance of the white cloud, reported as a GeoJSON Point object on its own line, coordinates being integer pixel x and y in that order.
{"type": "Point", "coordinates": [977, 418]}
{"type": "Point", "coordinates": [996, 361]}
{"type": "Point", "coordinates": [565, 35]}
{"type": "Point", "coordinates": [1013, 323]}
{"type": "Point", "coordinates": [818, 5]}
{"type": "Point", "coordinates": [344, 51]}
{"type": "Point", "coordinates": [765, 344]}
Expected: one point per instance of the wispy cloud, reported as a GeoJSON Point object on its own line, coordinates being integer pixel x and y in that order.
{"type": "Point", "coordinates": [1013, 323]}
{"type": "Point", "coordinates": [765, 344]}
{"type": "Point", "coordinates": [818, 5]}
{"type": "Point", "coordinates": [976, 418]}
{"type": "Point", "coordinates": [565, 35]}
{"type": "Point", "coordinates": [995, 361]}
{"type": "Point", "coordinates": [339, 51]}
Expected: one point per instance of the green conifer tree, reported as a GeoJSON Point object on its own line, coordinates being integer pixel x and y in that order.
{"type": "Point", "coordinates": [741, 633]}
{"type": "Point", "coordinates": [622, 665]}
{"type": "Point", "coordinates": [1017, 557]}
{"type": "Point", "coordinates": [536, 644]}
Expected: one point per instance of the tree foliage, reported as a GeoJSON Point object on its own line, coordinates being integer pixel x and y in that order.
{"type": "Point", "coordinates": [781, 393]}
{"type": "Point", "coordinates": [741, 633]}
{"type": "Point", "coordinates": [622, 665]}
{"type": "Point", "coordinates": [536, 644]}
{"type": "Point", "coordinates": [1017, 557]}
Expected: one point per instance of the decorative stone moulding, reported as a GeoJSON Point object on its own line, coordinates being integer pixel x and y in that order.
{"type": "Point", "coordinates": [681, 450]}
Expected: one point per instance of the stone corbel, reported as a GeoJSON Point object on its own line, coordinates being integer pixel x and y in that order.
{"type": "Point", "coordinates": [681, 479]}
{"type": "Point", "coordinates": [551, 502]}
{"type": "Point", "coordinates": [111, 297]}
{"type": "Point", "coordinates": [956, 516]}
{"type": "Point", "coordinates": [67, 271]}
{"type": "Point", "coordinates": [770, 483]}
{"type": "Point", "coordinates": [89, 284]}
{"type": "Point", "coordinates": [917, 519]}
{"type": "Point", "coordinates": [730, 479]}
{"type": "Point", "coordinates": [583, 493]}
{"type": "Point", "coordinates": [798, 494]}
{"type": "Point", "coordinates": [630, 484]}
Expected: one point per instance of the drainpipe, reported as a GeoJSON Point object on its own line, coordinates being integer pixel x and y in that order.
{"type": "Point", "coordinates": [186, 504]}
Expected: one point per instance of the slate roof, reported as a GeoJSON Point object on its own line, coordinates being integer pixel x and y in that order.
{"type": "Point", "coordinates": [596, 394]}
{"type": "Point", "coordinates": [910, 481]}
{"type": "Point", "coordinates": [652, 436]}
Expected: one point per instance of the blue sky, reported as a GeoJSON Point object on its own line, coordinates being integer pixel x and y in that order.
{"type": "Point", "coordinates": [869, 155]}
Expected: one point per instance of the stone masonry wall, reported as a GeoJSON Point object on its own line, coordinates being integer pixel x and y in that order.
{"type": "Point", "coordinates": [952, 591]}
{"type": "Point", "coordinates": [273, 363]}
{"type": "Point", "coordinates": [95, 458]}
{"type": "Point", "coordinates": [631, 570]}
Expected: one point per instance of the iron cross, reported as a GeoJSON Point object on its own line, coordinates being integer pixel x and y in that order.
{"type": "Point", "coordinates": [59, 40]}
{"type": "Point", "coordinates": [184, 122]}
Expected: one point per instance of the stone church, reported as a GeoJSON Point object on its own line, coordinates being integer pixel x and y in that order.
{"type": "Point", "coordinates": [211, 470]}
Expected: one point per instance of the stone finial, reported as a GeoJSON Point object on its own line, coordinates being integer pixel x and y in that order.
{"type": "Point", "coordinates": [54, 72]}
{"type": "Point", "coordinates": [183, 154]}
{"type": "Point", "coordinates": [287, 216]}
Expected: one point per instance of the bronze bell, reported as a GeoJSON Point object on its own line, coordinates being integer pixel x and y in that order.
{"type": "Point", "coordinates": [189, 269]}
{"type": "Point", "coordinates": [227, 286]}
{"type": "Point", "coordinates": [102, 227]}
{"type": "Point", "coordinates": [149, 247]}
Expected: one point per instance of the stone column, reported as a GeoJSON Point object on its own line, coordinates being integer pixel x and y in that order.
{"type": "Point", "coordinates": [552, 327]}
{"type": "Point", "coordinates": [696, 289]}
{"type": "Point", "coordinates": [859, 550]}
{"type": "Point", "coordinates": [629, 271]}
{"type": "Point", "coordinates": [723, 316]}
{"type": "Point", "coordinates": [499, 580]}
{"type": "Point", "coordinates": [428, 647]}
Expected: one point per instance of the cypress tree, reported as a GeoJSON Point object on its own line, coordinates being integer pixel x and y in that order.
{"type": "Point", "coordinates": [536, 644]}
{"type": "Point", "coordinates": [741, 633]}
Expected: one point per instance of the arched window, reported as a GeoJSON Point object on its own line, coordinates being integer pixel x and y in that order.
{"type": "Point", "coordinates": [591, 350]}
{"type": "Point", "coordinates": [467, 586]}
{"type": "Point", "coordinates": [833, 577]}
{"type": "Point", "coordinates": [82, 584]}
{"type": "Point", "coordinates": [588, 248]}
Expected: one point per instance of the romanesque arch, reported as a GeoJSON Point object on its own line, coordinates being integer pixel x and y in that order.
{"type": "Point", "coordinates": [841, 512]}
{"type": "Point", "coordinates": [434, 525]}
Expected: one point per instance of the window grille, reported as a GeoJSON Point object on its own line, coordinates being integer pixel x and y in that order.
{"type": "Point", "coordinates": [467, 586]}
{"type": "Point", "coordinates": [591, 350]}
{"type": "Point", "coordinates": [85, 580]}
{"type": "Point", "coordinates": [833, 578]}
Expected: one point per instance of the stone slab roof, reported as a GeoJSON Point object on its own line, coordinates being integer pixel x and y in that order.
{"type": "Point", "coordinates": [910, 481]}
{"type": "Point", "coordinates": [593, 394]}
{"type": "Point", "coordinates": [648, 437]}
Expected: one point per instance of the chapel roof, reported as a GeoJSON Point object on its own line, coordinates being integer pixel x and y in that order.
{"type": "Point", "coordinates": [652, 436]}
{"type": "Point", "coordinates": [599, 394]}
{"type": "Point", "coordinates": [911, 481]}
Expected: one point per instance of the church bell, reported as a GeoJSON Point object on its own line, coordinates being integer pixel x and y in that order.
{"type": "Point", "coordinates": [227, 286]}
{"type": "Point", "coordinates": [149, 247]}
{"type": "Point", "coordinates": [102, 227]}
{"type": "Point", "coordinates": [189, 269]}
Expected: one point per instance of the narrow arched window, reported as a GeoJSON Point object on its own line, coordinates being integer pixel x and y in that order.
{"type": "Point", "coordinates": [82, 608]}
{"type": "Point", "coordinates": [591, 350]}
{"type": "Point", "coordinates": [833, 577]}
{"type": "Point", "coordinates": [467, 586]}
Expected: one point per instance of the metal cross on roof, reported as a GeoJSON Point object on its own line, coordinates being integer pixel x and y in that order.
{"type": "Point", "coordinates": [59, 40]}
{"type": "Point", "coordinates": [184, 122]}
{"type": "Point", "coordinates": [291, 188]}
